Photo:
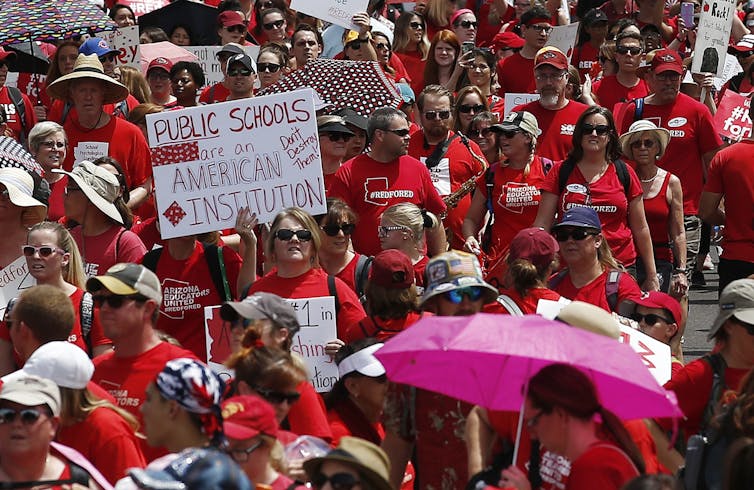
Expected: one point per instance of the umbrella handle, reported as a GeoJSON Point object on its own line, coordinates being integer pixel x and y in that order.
{"type": "Point", "coordinates": [520, 427]}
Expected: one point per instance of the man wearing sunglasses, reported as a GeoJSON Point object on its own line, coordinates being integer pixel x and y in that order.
{"type": "Point", "coordinates": [626, 84]}
{"type": "Point", "coordinates": [218, 92]}
{"type": "Point", "coordinates": [515, 73]}
{"type": "Point", "coordinates": [455, 287]}
{"type": "Point", "coordinates": [128, 298]}
{"type": "Point", "coordinates": [106, 55]}
{"type": "Point", "coordinates": [333, 144]}
{"type": "Point", "coordinates": [447, 154]}
{"type": "Point", "coordinates": [240, 74]}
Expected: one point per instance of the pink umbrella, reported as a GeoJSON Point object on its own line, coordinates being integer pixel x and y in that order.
{"type": "Point", "coordinates": [164, 49]}
{"type": "Point", "coordinates": [488, 359]}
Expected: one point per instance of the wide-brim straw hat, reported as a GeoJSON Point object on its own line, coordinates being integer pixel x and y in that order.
{"type": "Point", "coordinates": [20, 186]}
{"type": "Point", "coordinates": [88, 67]}
{"type": "Point", "coordinates": [371, 462]}
{"type": "Point", "coordinates": [98, 185]}
{"type": "Point", "coordinates": [643, 126]}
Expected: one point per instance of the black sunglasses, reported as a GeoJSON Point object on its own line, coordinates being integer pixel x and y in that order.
{"type": "Point", "coordinates": [338, 481]}
{"type": "Point", "coordinates": [649, 319]}
{"type": "Point", "coordinates": [649, 143]}
{"type": "Point", "coordinates": [287, 235]}
{"type": "Point", "coordinates": [28, 415]}
{"type": "Point", "coordinates": [416, 25]}
{"type": "Point", "coordinates": [278, 397]}
{"type": "Point", "coordinates": [236, 28]}
{"type": "Point", "coordinates": [466, 24]}
{"type": "Point", "coordinates": [437, 115]}
{"type": "Point", "coordinates": [335, 137]}
{"type": "Point", "coordinates": [109, 57]}
{"type": "Point", "coordinates": [382, 46]}
{"type": "Point", "coordinates": [268, 26]}
{"type": "Point", "coordinates": [577, 234]}
{"type": "Point", "coordinates": [243, 72]}
{"type": "Point", "coordinates": [268, 67]}
{"type": "Point", "coordinates": [115, 301]}
{"type": "Point", "coordinates": [600, 129]}
{"type": "Point", "coordinates": [333, 230]}
{"type": "Point", "coordinates": [634, 50]}
{"type": "Point", "coordinates": [466, 108]}
{"type": "Point", "coordinates": [480, 133]}
{"type": "Point", "coordinates": [509, 133]}
{"type": "Point", "coordinates": [400, 132]}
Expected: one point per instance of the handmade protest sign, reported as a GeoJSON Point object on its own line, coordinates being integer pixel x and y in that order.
{"type": "Point", "coordinates": [564, 38]}
{"type": "Point", "coordinates": [141, 7]}
{"type": "Point", "coordinates": [207, 59]}
{"type": "Point", "coordinates": [14, 278]}
{"type": "Point", "coordinates": [512, 100]}
{"type": "Point", "coordinates": [712, 36]}
{"type": "Point", "coordinates": [210, 161]}
{"type": "Point", "coordinates": [338, 12]}
{"type": "Point", "coordinates": [125, 40]}
{"type": "Point", "coordinates": [317, 319]}
{"type": "Point", "coordinates": [732, 119]}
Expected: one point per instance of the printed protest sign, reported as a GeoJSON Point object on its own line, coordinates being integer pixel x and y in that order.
{"type": "Point", "coordinates": [125, 40]}
{"type": "Point", "coordinates": [207, 59]}
{"type": "Point", "coordinates": [141, 7]}
{"type": "Point", "coordinates": [210, 161]}
{"type": "Point", "coordinates": [338, 12]}
{"type": "Point", "coordinates": [512, 100]}
{"type": "Point", "coordinates": [14, 278]}
{"type": "Point", "coordinates": [732, 117]}
{"type": "Point", "coordinates": [317, 319]}
{"type": "Point", "coordinates": [564, 38]}
{"type": "Point", "coordinates": [712, 36]}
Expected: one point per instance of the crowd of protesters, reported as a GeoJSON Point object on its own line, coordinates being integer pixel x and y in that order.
{"type": "Point", "coordinates": [601, 192]}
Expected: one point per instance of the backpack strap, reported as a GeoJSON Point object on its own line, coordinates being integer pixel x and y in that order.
{"type": "Point", "coordinates": [564, 172]}
{"type": "Point", "coordinates": [557, 279]}
{"type": "Point", "coordinates": [611, 288]}
{"type": "Point", "coordinates": [66, 110]}
{"type": "Point", "coordinates": [86, 314]}
{"type": "Point", "coordinates": [440, 150]}
{"type": "Point", "coordinates": [216, 264]}
{"type": "Point", "coordinates": [151, 258]}
{"type": "Point", "coordinates": [489, 183]}
{"type": "Point", "coordinates": [18, 100]}
{"type": "Point", "coordinates": [719, 365]}
{"type": "Point", "coordinates": [117, 244]}
{"type": "Point", "coordinates": [333, 292]}
{"type": "Point", "coordinates": [361, 273]}
{"type": "Point", "coordinates": [510, 306]}
{"type": "Point", "coordinates": [621, 169]}
{"type": "Point", "coordinates": [638, 108]}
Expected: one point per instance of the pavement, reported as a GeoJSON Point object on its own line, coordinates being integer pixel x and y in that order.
{"type": "Point", "coordinates": [702, 312]}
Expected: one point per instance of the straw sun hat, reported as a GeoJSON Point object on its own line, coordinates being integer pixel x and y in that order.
{"type": "Point", "coordinates": [88, 67]}
{"type": "Point", "coordinates": [639, 127]}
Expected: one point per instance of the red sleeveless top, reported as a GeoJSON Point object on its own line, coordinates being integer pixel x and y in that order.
{"type": "Point", "coordinates": [657, 211]}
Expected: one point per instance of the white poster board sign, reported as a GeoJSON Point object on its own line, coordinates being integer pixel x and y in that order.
{"type": "Point", "coordinates": [513, 100]}
{"type": "Point", "coordinates": [207, 59]}
{"type": "Point", "coordinates": [712, 36]}
{"type": "Point", "coordinates": [125, 40]}
{"type": "Point", "coordinates": [14, 278]}
{"type": "Point", "coordinates": [564, 38]}
{"type": "Point", "coordinates": [210, 161]}
{"type": "Point", "coordinates": [338, 12]}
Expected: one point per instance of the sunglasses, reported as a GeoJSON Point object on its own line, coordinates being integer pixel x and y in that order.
{"type": "Point", "coordinates": [338, 481]}
{"type": "Point", "coordinates": [333, 230]}
{"type": "Point", "coordinates": [286, 235]}
{"type": "Point", "coordinates": [268, 67]}
{"type": "Point", "coordinates": [416, 25]}
{"type": "Point", "coordinates": [432, 115]}
{"type": "Point", "coordinates": [115, 301]}
{"type": "Point", "coordinates": [383, 231]}
{"type": "Point", "coordinates": [243, 72]}
{"type": "Point", "coordinates": [45, 251]}
{"type": "Point", "coordinates": [335, 137]}
{"type": "Point", "coordinates": [28, 415]}
{"type": "Point", "coordinates": [268, 26]}
{"type": "Point", "coordinates": [600, 129]}
{"type": "Point", "coordinates": [480, 133]}
{"type": "Point", "coordinates": [634, 50]}
{"type": "Point", "coordinates": [236, 28]}
{"type": "Point", "coordinates": [466, 108]}
{"type": "Point", "coordinates": [474, 293]}
{"type": "Point", "coordinates": [400, 132]}
{"type": "Point", "coordinates": [468, 24]}
{"type": "Point", "coordinates": [109, 57]}
{"type": "Point", "coordinates": [649, 319]}
{"type": "Point", "coordinates": [642, 144]}
{"type": "Point", "coordinates": [356, 44]}
{"type": "Point", "coordinates": [668, 76]}
{"type": "Point", "coordinates": [509, 133]}
{"type": "Point", "coordinates": [577, 234]}
{"type": "Point", "coordinates": [278, 397]}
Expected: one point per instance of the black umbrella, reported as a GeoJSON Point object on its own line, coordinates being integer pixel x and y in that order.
{"type": "Point", "coordinates": [29, 59]}
{"type": "Point", "coordinates": [199, 18]}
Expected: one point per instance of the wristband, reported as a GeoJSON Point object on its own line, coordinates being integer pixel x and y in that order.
{"type": "Point", "coordinates": [679, 270]}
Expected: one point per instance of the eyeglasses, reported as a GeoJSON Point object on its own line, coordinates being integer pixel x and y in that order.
{"type": "Point", "coordinates": [577, 234]}
{"type": "Point", "coordinates": [29, 416]}
{"type": "Point", "coordinates": [239, 29]}
{"type": "Point", "coordinates": [642, 144]}
{"type": "Point", "coordinates": [545, 77]}
{"type": "Point", "coordinates": [268, 67]}
{"type": "Point", "coordinates": [468, 24]}
{"type": "Point", "coordinates": [115, 301]}
{"type": "Point", "coordinates": [236, 72]}
{"type": "Point", "coordinates": [268, 26]}
{"type": "Point", "coordinates": [480, 133]}
{"type": "Point", "coordinates": [278, 397]}
{"type": "Point", "coordinates": [416, 25]}
{"type": "Point", "coordinates": [534, 420]}
{"type": "Point", "coordinates": [649, 319]}
{"type": "Point", "coordinates": [242, 455]}
{"type": "Point", "coordinates": [109, 58]}
{"type": "Point", "coordinates": [382, 46]}
{"type": "Point", "coordinates": [51, 145]}
{"type": "Point", "coordinates": [286, 235]}
{"type": "Point", "coordinates": [634, 50]}
{"type": "Point", "coordinates": [668, 76]}
{"type": "Point", "coordinates": [466, 108]}
{"type": "Point", "coordinates": [338, 481]}
{"type": "Point", "coordinates": [600, 129]}
{"type": "Point", "coordinates": [474, 293]}
{"type": "Point", "coordinates": [540, 28]}
{"type": "Point", "coordinates": [403, 132]}
{"type": "Point", "coordinates": [509, 133]}
{"type": "Point", "coordinates": [383, 231]}
{"type": "Point", "coordinates": [432, 115]}
{"type": "Point", "coordinates": [335, 137]}
{"type": "Point", "coordinates": [333, 230]}
{"type": "Point", "coordinates": [45, 251]}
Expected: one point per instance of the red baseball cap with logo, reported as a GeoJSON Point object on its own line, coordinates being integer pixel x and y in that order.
{"type": "Point", "coordinates": [507, 40]}
{"type": "Point", "coordinates": [160, 63]}
{"type": "Point", "coordinates": [666, 60]}
{"type": "Point", "coordinates": [657, 299]}
{"type": "Point", "coordinates": [550, 55]}
{"type": "Point", "coordinates": [247, 416]}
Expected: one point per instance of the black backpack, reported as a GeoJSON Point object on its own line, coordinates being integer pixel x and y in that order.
{"type": "Point", "coordinates": [215, 261]}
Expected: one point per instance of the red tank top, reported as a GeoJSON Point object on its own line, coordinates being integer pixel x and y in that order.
{"type": "Point", "coordinates": [657, 210]}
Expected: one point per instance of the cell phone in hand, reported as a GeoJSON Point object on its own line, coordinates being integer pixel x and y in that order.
{"type": "Point", "coordinates": [467, 46]}
{"type": "Point", "coordinates": [687, 14]}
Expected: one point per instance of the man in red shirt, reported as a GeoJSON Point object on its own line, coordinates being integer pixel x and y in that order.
{"type": "Point", "coordinates": [555, 113]}
{"type": "Point", "coordinates": [373, 181]}
{"type": "Point", "coordinates": [515, 73]}
{"type": "Point", "coordinates": [626, 84]}
{"type": "Point", "coordinates": [451, 158]}
{"type": "Point", "coordinates": [219, 92]}
{"type": "Point", "coordinates": [129, 298]}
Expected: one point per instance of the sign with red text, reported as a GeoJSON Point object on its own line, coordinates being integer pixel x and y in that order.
{"type": "Point", "coordinates": [655, 354]}
{"type": "Point", "coordinates": [14, 278]}
{"type": "Point", "coordinates": [210, 161]}
{"type": "Point", "coordinates": [141, 7]}
{"type": "Point", "coordinates": [207, 59]}
{"type": "Point", "coordinates": [564, 38]}
{"type": "Point", "coordinates": [732, 119]}
{"type": "Point", "coordinates": [338, 12]}
{"type": "Point", "coordinates": [126, 41]}
{"type": "Point", "coordinates": [712, 36]}
{"type": "Point", "coordinates": [317, 319]}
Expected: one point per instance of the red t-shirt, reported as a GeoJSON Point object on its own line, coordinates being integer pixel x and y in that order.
{"type": "Point", "coordinates": [57, 108]}
{"type": "Point", "coordinates": [414, 65]}
{"type": "Point", "coordinates": [556, 126]}
{"type": "Point", "coordinates": [313, 284]}
{"type": "Point", "coordinates": [100, 252]}
{"type": "Point", "coordinates": [126, 379]}
{"type": "Point", "coordinates": [307, 416]}
{"type": "Point", "coordinates": [55, 209]}
{"type": "Point", "coordinates": [515, 201]}
{"type": "Point", "coordinates": [187, 288]}
{"type": "Point", "coordinates": [732, 173]}
{"type": "Point", "coordinates": [515, 74]}
{"type": "Point", "coordinates": [214, 93]}
{"type": "Point", "coordinates": [603, 466]}
{"type": "Point", "coordinates": [692, 134]}
{"type": "Point", "coordinates": [595, 293]}
{"type": "Point", "coordinates": [107, 441]}
{"type": "Point", "coordinates": [657, 211]}
{"type": "Point", "coordinates": [454, 168]}
{"type": "Point", "coordinates": [606, 196]}
{"type": "Point", "coordinates": [381, 328]}
{"type": "Point", "coordinates": [528, 304]}
{"type": "Point", "coordinates": [13, 118]}
{"type": "Point", "coordinates": [147, 231]}
{"type": "Point", "coordinates": [370, 187]}
{"type": "Point", "coordinates": [610, 91]}
{"type": "Point", "coordinates": [584, 58]}
{"type": "Point", "coordinates": [348, 274]}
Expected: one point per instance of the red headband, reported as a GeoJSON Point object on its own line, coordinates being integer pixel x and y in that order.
{"type": "Point", "coordinates": [537, 20]}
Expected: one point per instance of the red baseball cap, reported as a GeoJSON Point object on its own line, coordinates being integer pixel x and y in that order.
{"type": "Point", "coordinates": [507, 40]}
{"type": "Point", "coordinates": [666, 60]}
{"type": "Point", "coordinates": [535, 245]}
{"type": "Point", "coordinates": [550, 55]}
{"type": "Point", "coordinates": [657, 299]}
{"type": "Point", "coordinates": [230, 18]}
{"type": "Point", "coordinates": [160, 63]}
{"type": "Point", "coordinates": [392, 269]}
{"type": "Point", "coordinates": [247, 416]}
{"type": "Point", "coordinates": [744, 45]}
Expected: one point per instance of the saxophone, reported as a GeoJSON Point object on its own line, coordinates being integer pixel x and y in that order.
{"type": "Point", "coordinates": [452, 199]}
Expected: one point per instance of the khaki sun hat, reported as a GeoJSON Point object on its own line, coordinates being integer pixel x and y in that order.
{"type": "Point", "coordinates": [88, 67]}
{"type": "Point", "coordinates": [370, 461]}
{"type": "Point", "coordinates": [100, 187]}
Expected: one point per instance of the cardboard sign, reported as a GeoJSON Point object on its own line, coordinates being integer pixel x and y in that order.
{"type": "Point", "coordinates": [210, 161]}
{"type": "Point", "coordinates": [317, 319]}
{"type": "Point", "coordinates": [338, 12]}
{"type": "Point", "coordinates": [126, 40]}
{"type": "Point", "coordinates": [712, 36]}
{"type": "Point", "coordinates": [732, 119]}
{"type": "Point", "coordinates": [512, 100]}
{"type": "Point", "coordinates": [14, 278]}
{"type": "Point", "coordinates": [564, 38]}
{"type": "Point", "coordinates": [207, 59]}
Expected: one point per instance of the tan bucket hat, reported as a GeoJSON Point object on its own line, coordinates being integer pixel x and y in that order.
{"type": "Point", "coordinates": [100, 187]}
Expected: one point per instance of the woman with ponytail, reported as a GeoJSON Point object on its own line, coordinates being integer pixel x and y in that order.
{"type": "Point", "coordinates": [564, 413]}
